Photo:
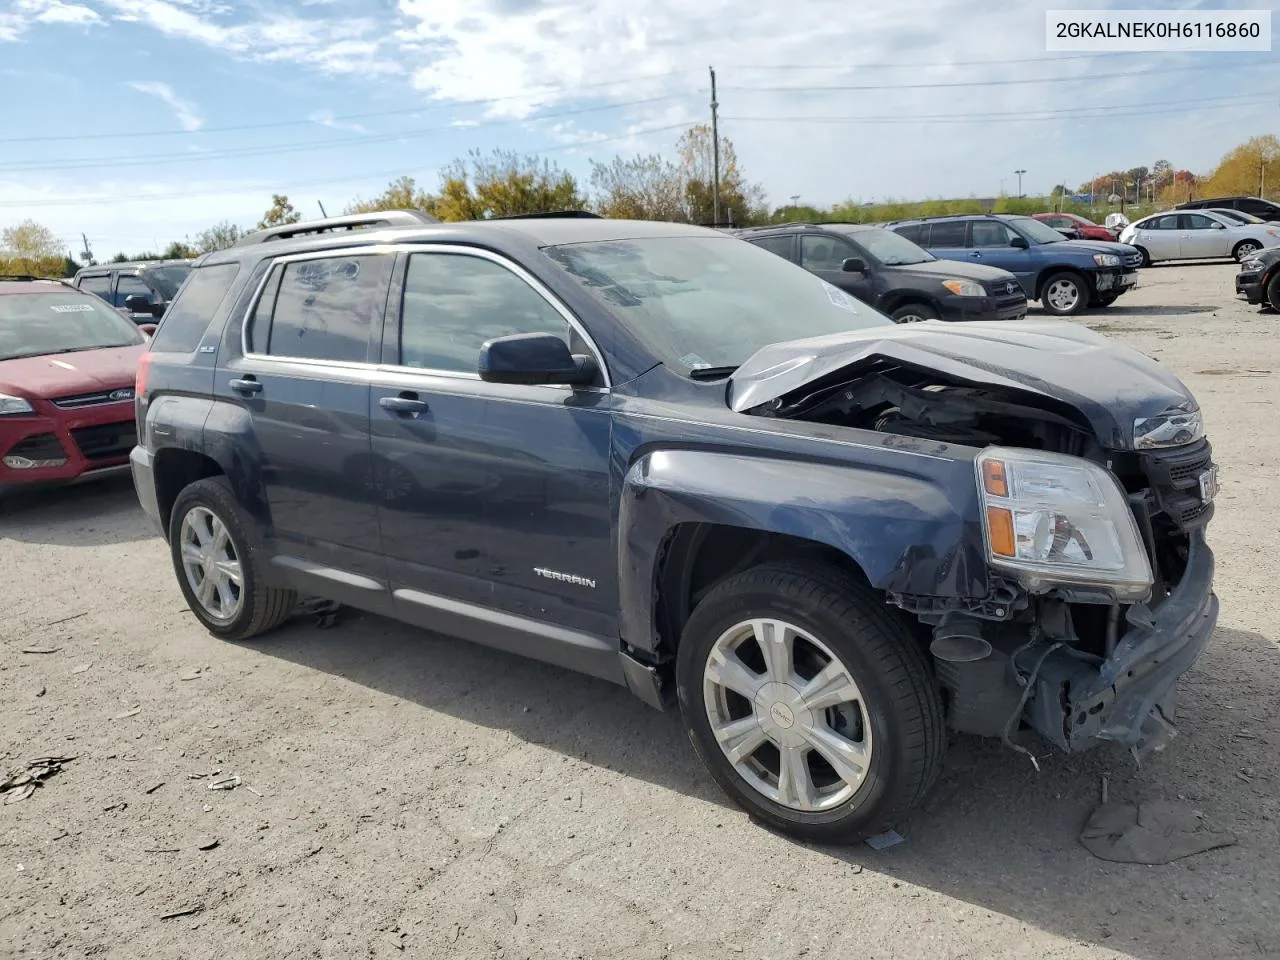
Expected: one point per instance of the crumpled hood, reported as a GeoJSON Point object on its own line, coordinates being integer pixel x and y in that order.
{"type": "Point", "coordinates": [1110, 384]}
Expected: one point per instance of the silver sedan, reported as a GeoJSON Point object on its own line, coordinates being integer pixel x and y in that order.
{"type": "Point", "coordinates": [1199, 235]}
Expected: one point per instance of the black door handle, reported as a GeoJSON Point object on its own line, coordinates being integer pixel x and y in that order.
{"type": "Point", "coordinates": [406, 403]}
{"type": "Point", "coordinates": [246, 385]}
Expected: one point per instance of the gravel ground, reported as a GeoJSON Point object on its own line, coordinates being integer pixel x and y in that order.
{"type": "Point", "coordinates": [405, 794]}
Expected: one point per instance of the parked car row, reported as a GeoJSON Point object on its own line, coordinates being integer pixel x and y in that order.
{"type": "Point", "coordinates": [141, 291]}
{"type": "Point", "coordinates": [1199, 235]}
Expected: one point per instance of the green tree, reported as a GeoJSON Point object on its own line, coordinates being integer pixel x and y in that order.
{"type": "Point", "coordinates": [31, 249]}
{"type": "Point", "coordinates": [281, 212]}
{"type": "Point", "coordinates": [505, 183]}
{"type": "Point", "coordinates": [179, 250]}
{"type": "Point", "coordinates": [218, 237]}
{"type": "Point", "coordinates": [643, 188]}
{"type": "Point", "coordinates": [69, 266]}
{"type": "Point", "coordinates": [741, 202]}
{"type": "Point", "coordinates": [120, 257]}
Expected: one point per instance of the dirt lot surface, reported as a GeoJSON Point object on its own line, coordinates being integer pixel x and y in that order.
{"type": "Point", "coordinates": [405, 794]}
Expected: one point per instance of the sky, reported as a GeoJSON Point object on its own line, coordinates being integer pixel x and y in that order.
{"type": "Point", "coordinates": [137, 122]}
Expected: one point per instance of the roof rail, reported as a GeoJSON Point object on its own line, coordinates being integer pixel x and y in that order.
{"type": "Point", "coordinates": [552, 215]}
{"type": "Point", "coordinates": [354, 221]}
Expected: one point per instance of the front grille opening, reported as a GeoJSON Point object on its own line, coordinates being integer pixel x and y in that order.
{"type": "Point", "coordinates": [40, 446]}
{"type": "Point", "coordinates": [106, 441]}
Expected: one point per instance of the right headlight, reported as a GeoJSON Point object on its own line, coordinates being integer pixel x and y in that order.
{"type": "Point", "coordinates": [965, 288]}
{"type": "Point", "coordinates": [12, 406]}
{"type": "Point", "coordinates": [1251, 266]}
{"type": "Point", "coordinates": [1054, 520]}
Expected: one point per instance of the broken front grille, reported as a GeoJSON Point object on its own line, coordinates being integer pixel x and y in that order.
{"type": "Point", "coordinates": [1174, 475]}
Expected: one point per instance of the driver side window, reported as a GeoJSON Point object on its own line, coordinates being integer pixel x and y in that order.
{"type": "Point", "coordinates": [988, 233]}
{"type": "Point", "coordinates": [825, 254]}
{"type": "Point", "coordinates": [453, 303]}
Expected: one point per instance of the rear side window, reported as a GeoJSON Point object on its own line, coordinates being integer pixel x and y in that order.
{"type": "Point", "coordinates": [321, 309]}
{"type": "Point", "coordinates": [98, 284]}
{"type": "Point", "coordinates": [131, 286]}
{"type": "Point", "coordinates": [917, 233]}
{"type": "Point", "coordinates": [188, 317]}
{"type": "Point", "coordinates": [777, 245]}
{"type": "Point", "coordinates": [948, 233]}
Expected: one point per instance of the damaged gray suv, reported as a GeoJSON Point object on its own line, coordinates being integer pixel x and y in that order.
{"type": "Point", "coordinates": [661, 456]}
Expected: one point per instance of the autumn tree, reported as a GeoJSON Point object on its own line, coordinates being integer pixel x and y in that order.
{"type": "Point", "coordinates": [31, 249]}
{"type": "Point", "coordinates": [218, 237]}
{"type": "Point", "coordinates": [179, 250]}
{"type": "Point", "coordinates": [504, 183]}
{"type": "Point", "coordinates": [401, 194]}
{"type": "Point", "coordinates": [280, 212]}
{"type": "Point", "coordinates": [1251, 169]}
{"type": "Point", "coordinates": [643, 188]}
{"type": "Point", "coordinates": [741, 202]}
{"type": "Point", "coordinates": [1162, 173]}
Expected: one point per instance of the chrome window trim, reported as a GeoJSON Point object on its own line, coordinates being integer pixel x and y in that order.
{"type": "Point", "coordinates": [411, 248]}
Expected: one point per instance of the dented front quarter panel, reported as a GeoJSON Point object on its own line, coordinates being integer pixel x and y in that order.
{"type": "Point", "coordinates": [906, 511]}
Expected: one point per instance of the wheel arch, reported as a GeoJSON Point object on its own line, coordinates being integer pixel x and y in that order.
{"type": "Point", "coordinates": [690, 518]}
{"type": "Point", "coordinates": [1043, 277]}
{"type": "Point", "coordinates": [900, 298]}
{"type": "Point", "coordinates": [175, 469]}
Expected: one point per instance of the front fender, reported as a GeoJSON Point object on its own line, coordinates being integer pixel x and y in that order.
{"type": "Point", "coordinates": [910, 533]}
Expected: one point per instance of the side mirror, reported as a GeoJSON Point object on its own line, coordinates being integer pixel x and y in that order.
{"type": "Point", "coordinates": [854, 265]}
{"type": "Point", "coordinates": [136, 303]}
{"type": "Point", "coordinates": [1020, 243]}
{"type": "Point", "coordinates": [533, 358]}
{"type": "Point", "coordinates": [1215, 225]}
{"type": "Point", "coordinates": [149, 329]}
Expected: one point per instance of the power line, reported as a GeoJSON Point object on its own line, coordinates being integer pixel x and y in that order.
{"type": "Point", "coordinates": [1071, 113]}
{"type": "Point", "coordinates": [925, 66]}
{"type": "Point", "coordinates": [997, 83]}
{"type": "Point", "coordinates": [404, 111]}
{"type": "Point", "coordinates": [294, 187]}
{"type": "Point", "coordinates": [153, 160]}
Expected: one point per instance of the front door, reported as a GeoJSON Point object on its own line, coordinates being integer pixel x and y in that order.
{"type": "Point", "coordinates": [1200, 237]}
{"type": "Point", "coordinates": [491, 494]}
{"type": "Point", "coordinates": [305, 383]}
{"type": "Point", "coordinates": [824, 255]}
{"type": "Point", "coordinates": [990, 242]}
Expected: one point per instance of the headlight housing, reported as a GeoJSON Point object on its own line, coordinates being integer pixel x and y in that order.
{"type": "Point", "coordinates": [1173, 428]}
{"type": "Point", "coordinates": [1054, 520]}
{"type": "Point", "coordinates": [13, 406]}
{"type": "Point", "coordinates": [1106, 259]}
{"type": "Point", "coordinates": [1251, 266]}
{"type": "Point", "coordinates": [965, 288]}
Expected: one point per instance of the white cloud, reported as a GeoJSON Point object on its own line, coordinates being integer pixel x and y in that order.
{"type": "Point", "coordinates": [184, 110]}
{"type": "Point", "coordinates": [23, 13]}
{"type": "Point", "coordinates": [326, 119]}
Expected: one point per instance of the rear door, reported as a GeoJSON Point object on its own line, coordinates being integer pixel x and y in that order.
{"type": "Point", "coordinates": [495, 495]}
{"type": "Point", "coordinates": [1200, 236]}
{"type": "Point", "coordinates": [302, 376]}
{"type": "Point", "coordinates": [824, 255]}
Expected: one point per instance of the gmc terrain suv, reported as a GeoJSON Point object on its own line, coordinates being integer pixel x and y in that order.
{"type": "Point", "coordinates": [665, 457]}
{"type": "Point", "coordinates": [1066, 276]}
{"type": "Point", "coordinates": [891, 274]}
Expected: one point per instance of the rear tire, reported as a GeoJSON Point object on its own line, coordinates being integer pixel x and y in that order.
{"type": "Point", "coordinates": [211, 552]}
{"type": "Point", "coordinates": [848, 740]}
{"type": "Point", "coordinates": [1065, 294]}
{"type": "Point", "coordinates": [1273, 292]}
{"type": "Point", "coordinates": [1146, 257]}
{"type": "Point", "coordinates": [914, 313]}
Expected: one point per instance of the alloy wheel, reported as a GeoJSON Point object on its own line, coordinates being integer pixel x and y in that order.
{"type": "Point", "coordinates": [211, 564]}
{"type": "Point", "coordinates": [1063, 295]}
{"type": "Point", "coordinates": [1246, 250]}
{"type": "Point", "coordinates": [787, 715]}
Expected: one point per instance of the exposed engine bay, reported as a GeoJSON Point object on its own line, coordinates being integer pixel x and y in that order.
{"type": "Point", "coordinates": [1044, 658]}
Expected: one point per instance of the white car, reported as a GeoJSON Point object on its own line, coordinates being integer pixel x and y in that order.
{"type": "Point", "coordinates": [1198, 235]}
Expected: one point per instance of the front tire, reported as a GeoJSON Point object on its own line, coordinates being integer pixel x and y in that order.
{"type": "Point", "coordinates": [216, 566]}
{"type": "Point", "coordinates": [1273, 292]}
{"type": "Point", "coordinates": [1104, 300]}
{"type": "Point", "coordinates": [1065, 294]}
{"type": "Point", "coordinates": [811, 705]}
{"type": "Point", "coordinates": [1245, 249]}
{"type": "Point", "coordinates": [914, 313]}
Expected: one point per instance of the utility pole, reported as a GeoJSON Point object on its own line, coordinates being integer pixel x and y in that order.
{"type": "Point", "coordinates": [715, 153]}
{"type": "Point", "coordinates": [88, 254]}
{"type": "Point", "coordinates": [321, 206]}
{"type": "Point", "coordinates": [1019, 173]}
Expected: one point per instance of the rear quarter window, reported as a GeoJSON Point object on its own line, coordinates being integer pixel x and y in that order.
{"type": "Point", "coordinates": [188, 316]}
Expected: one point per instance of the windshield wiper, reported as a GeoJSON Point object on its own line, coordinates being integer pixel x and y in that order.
{"type": "Point", "coordinates": [712, 373]}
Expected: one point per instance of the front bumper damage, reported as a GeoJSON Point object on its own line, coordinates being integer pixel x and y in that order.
{"type": "Point", "coordinates": [1129, 698]}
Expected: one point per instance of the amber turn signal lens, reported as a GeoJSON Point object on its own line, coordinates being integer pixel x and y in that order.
{"type": "Point", "coordinates": [993, 478]}
{"type": "Point", "coordinates": [1000, 531]}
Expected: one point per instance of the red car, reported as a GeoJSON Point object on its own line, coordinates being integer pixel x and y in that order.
{"type": "Point", "coordinates": [1078, 227]}
{"type": "Point", "coordinates": [67, 367]}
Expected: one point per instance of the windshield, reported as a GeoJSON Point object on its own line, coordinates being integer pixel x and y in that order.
{"type": "Point", "coordinates": [168, 279]}
{"type": "Point", "coordinates": [34, 324]}
{"type": "Point", "coordinates": [891, 249]}
{"type": "Point", "coordinates": [1034, 230]}
{"type": "Point", "coordinates": [709, 302]}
